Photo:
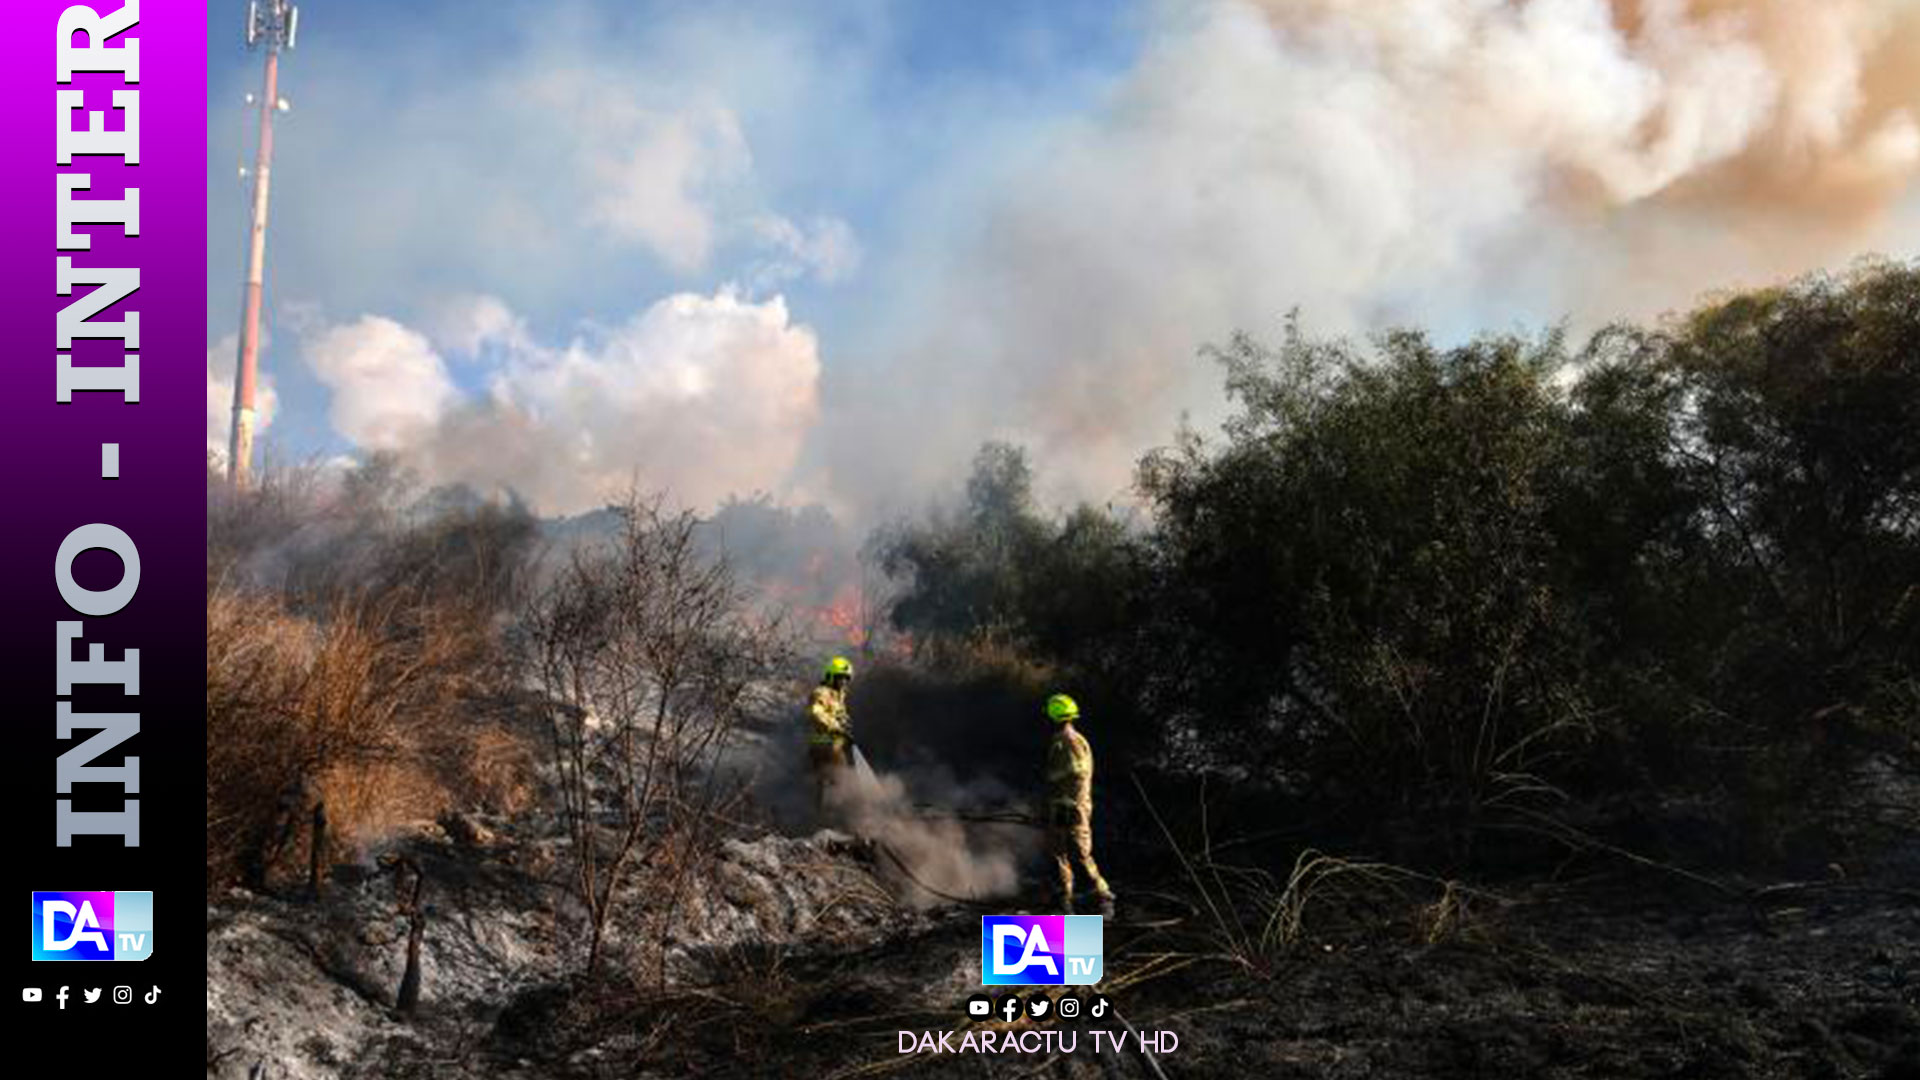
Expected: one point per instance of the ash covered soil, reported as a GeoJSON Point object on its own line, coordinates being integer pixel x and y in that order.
{"type": "Point", "coordinates": [1604, 980]}
{"type": "Point", "coordinates": [796, 957]}
{"type": "Point", "coordinates": [810, 954]}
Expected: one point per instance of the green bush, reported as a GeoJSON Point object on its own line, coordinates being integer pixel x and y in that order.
{"type": "Point", "coordinates": [1471, 584]}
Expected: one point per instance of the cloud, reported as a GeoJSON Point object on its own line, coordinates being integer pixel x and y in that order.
{"type": "Point", "coordinates": [701, 396]}
{"type": "Point", "coordinates": [389, 387]}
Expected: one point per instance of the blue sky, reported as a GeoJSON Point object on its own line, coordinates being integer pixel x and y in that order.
{"type": "Point", "coordinates": [822, 250]}
{"type": "Point", "coordinates": [849, 111]}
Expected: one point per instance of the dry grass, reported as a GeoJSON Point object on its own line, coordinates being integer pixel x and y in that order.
{"type": "Point", "coordinates": [367, 800]}
{"type": "Point", "coordinates": [365, 707]}
{"type": "Point", "coordinates": [1257, 921]}
{"type": "Point", "coordinates": [500, 767]}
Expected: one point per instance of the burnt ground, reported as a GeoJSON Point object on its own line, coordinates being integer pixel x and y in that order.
{"type": "Point", "coordinates": [794, 960]}
{"type": "Point", "coordinates": [1565, 985]}
{"type": "Point", "coordinates": [1614, 976]}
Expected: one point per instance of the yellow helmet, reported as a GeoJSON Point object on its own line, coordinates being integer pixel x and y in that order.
{"type": "Point", "coordinates": [840, 666]}
{"type": "Point", "coordinates": [1061, 709]}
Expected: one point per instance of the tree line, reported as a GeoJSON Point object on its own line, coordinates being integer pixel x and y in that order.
{"type": "Point", "coordinates": [1485, 583]}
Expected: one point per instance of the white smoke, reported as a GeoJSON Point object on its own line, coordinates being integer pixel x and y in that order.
{"type": "Point", "coordinates": [700, 395]}
{"type": "Point", "coordinates": [1458, 164]}
{"type": "Point", "coordinates": [942, 858]}
{"type": "Point", "coordinates": [464, 325]}
{"type": "Point", "coordinates": [1461, 165]}
{"type": "Point", "coordinates": [824, 247]}
{"type": "Point", "coordinates": [652, 172]}
{"type": "Point", "coordinates": [919, 816]}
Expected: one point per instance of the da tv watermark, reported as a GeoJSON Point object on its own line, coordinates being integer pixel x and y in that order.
{"type": "Point", "coordinates": [1041, 950]}
{"type": "Point", "coordinates": [92, 925]}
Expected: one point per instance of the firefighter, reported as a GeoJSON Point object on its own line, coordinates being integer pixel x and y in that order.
{"type": "Point", "coordinates": [1070, 804]}
{"type": "Point", "coordinates": [830, 729]}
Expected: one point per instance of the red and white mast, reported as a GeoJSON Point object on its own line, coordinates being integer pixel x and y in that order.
{"type": "Point", "coordinates": [272, 24]}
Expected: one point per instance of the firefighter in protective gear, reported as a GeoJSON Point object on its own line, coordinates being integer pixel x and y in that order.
{"type": "Point", "coordinates": [830, 729]}
{"type": "Point", "coordinates": [1070, 804]}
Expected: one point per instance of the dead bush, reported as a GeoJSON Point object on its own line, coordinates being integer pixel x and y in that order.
{"type": "Point", "coordinates": [283, 499]}
{"type": "Point", "coordinates": [649, 650]}
{"type": "Point", "coordinates": [356, 709]}
{"type": "Point", "coordinates": [256, 658]}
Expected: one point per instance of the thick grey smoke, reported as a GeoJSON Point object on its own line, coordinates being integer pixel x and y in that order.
{"type": "Point", "coordinates": [940, 857]}
{"type": "Point", "coordinates": [1459, 164]}
{"type": "Point", "coordinates": [910, 812]}
{"type": "Point", "coordinates": [1463, 164]}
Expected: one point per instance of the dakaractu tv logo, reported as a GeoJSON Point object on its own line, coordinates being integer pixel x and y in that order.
{"type": "Point", "coordinates": [92, 925]}
{"type": "Point", "coordinates": [1041, 950]}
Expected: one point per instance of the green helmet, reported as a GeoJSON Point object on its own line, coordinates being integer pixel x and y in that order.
{"type": "Point", "coordinates": [840, 666]}
{"type": "Point", "coordinates": [1061, 709]}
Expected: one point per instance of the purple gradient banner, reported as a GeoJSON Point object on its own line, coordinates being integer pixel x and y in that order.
{"type": "Point", "coordinates": [61, 458]}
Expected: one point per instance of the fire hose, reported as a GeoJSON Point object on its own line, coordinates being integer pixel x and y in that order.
{"type": "Point", "coordinates": [998, 817]}
{"type": "Point", "coordinates": [901, 865]}
{"type": "Point", "coordinates": [980, 817]}
{"type": "Point", "coordinates": [1004, 816]}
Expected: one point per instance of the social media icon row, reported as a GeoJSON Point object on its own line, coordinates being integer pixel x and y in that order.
{"type": "Point", "coordinates": [1037, 1006]}
{"type": "Point", "coordinates": [122, 995]}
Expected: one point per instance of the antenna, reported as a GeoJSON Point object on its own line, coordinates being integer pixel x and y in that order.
{"type": "Point", "coordinates": [274, 21]}
{"type": "Point", "coordinates": [274, 24]}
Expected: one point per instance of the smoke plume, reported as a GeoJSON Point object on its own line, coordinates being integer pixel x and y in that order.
{"type": "Point", "coordinates": [911, 806]}
{"type": "Point", "coordinates": [1460, 164]}
{"type": "Point", "coordinates": [942, 858]}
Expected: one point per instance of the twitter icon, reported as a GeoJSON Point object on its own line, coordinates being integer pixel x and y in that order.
{"type": "Point", "coordinates": [91, 995]}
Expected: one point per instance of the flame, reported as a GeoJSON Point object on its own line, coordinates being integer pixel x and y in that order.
{"type": "Point", "coordinates": [843, 615]}
{"type": "Point", "coordinates": [825, 612]}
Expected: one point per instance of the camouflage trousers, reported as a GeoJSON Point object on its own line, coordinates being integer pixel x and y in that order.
{"type": "Point", "coordinates": [1070, 842]}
